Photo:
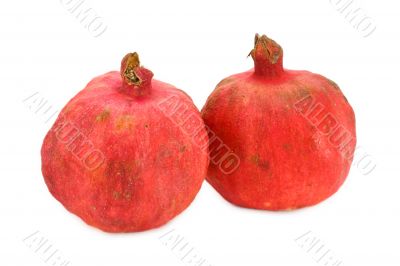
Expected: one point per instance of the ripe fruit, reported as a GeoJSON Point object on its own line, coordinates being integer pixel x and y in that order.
{"type": "Point", "coordinates": [117, 160]}
{"type": "Point", "coordinates": [293, 131]}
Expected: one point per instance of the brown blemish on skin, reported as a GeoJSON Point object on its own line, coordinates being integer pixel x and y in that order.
{"type": "Point", "coordinates": [172, 206]}
{"type": "Point", "coordinates": [224, 82]}
{"type": "Point", "coordinates": [301, 90]}
{"type": "Point", "coordinates": [269, 174]}
{"type": "Point", "coordinates": [285, 95]}
{"type": "Point", "coordinates": [133, 178]}
{"type": "Point", "coordinates": [125, 122]}
{"type": "Point", "coordinates": [255, 159]}
{"type": "Point", "coordinates": [293, 95]}
{"type": "Point", "coordinates": [127, 170]}
{"type": "Point", "coordinates": [182, 148]}
{"type": "Point", "coordinates": [333, 83]}
{"type": "Point", "coordinates": [127, 195]}
{"type": "Point", "coordinates": [214, 179]}
{"type": "Point", "coordinates": [211, 103]}
{"type": "Point", "coordinates": [245, 100]}
{"type": "Point", "coordinates": [116, 195]}
{"type": "Point", "coordinates": [304, 92]}
{"type": "Point", "coordinates": [103, 115]}
{"type": "Point", "coordinates": [234, 96]}
{"type": "Point", "coordinates": [287, 147]}
{"type": "Point", "coordinates": [264, 164]}
{"type": "Point", "coordinates": [165, 153]}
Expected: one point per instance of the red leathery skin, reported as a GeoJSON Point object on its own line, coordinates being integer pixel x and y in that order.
{"type": "Point", "coordinates": [146, 170]}
{"type": "Point", "coordinates": [288, 156]}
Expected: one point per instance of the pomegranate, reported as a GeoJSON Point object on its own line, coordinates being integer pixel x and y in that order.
{"type": "Point", "coordinates": [293, 131]}
{"type": "Point", "coordinates": [115, 159]}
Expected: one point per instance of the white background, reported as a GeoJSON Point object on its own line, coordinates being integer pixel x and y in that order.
{"type": "Point", "coordinates": [45, 49]}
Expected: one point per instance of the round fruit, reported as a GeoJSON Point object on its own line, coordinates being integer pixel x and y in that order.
{"type": "Point", "coordinates": [118, 158]}
{"type": "Point", "coordinates": [293, 131]}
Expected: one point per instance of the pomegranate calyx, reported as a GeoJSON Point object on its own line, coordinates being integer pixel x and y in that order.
{"type": "Point", "coordinates": [267, 56]}
{"type": "Point", "coordinates": [136, 79]}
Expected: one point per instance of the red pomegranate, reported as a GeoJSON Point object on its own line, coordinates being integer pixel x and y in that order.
{"type": "Point", "coordinates": [119, 156]}
{"type": "Point", "coordinates": [293, 131]}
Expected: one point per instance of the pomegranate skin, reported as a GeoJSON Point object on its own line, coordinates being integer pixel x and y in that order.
{"type": "Point", "coordinates": [294, 132]}
{"type": "Point", "coordinates": [116, 160]}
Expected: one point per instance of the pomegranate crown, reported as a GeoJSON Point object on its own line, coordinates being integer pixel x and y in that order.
{"type": "Point", "coordinates": [267, 55]}
{"type": "Point", "coordinates": [136, 80]}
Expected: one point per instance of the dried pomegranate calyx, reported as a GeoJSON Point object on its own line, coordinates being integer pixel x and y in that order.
{"type": "Point", "coordinates": [136, 80]}
{"type": "Point", "coordinates": [128, 66]}
{"type": "Point", "coordinates": [267, 55]}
